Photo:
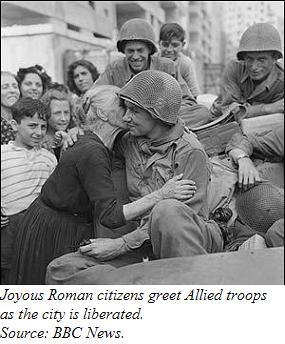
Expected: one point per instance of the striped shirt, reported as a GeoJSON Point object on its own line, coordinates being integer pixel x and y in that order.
{"type": "Point", "coordinates": [23, 173]}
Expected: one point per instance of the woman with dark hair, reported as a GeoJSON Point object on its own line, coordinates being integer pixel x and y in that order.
{"type": "Point", "coordinates": [33, 81]}
{"type": "Point", "coordinates": [81, 75]}
{"type": "Point", "coordinates": [10, 93]}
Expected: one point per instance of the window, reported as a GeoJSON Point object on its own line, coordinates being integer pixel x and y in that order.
{"type": "Point", "coordinates": [73, 27]}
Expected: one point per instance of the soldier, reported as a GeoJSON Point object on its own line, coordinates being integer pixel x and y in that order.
{"type": "Point", "coordinates": [155, 149]}
{"type": "Point", "coordinates": [260, 205]}
{"type": "Point", "coordinates": [137, 42]}
{"type": "Point", "coordinates": [253, 85]}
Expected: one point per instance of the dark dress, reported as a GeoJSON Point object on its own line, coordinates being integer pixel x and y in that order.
{"type": "Point", "coordinates": [7, 133]}
{"type": "Point", "coordinates": [77, 196]}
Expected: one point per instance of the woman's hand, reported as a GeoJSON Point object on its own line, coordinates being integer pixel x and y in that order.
{"type": "Point", "coordinates": [69, 138]}
{"type": "Point", "coordinates": [178, 188]}
{"type": "Point", "coordinates": [104, 248]}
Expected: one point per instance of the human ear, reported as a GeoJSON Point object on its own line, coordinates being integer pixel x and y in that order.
{"type": "Point", "coordinates": [102, 115]}
{"type": "Point", "coordinates": [14, 125]}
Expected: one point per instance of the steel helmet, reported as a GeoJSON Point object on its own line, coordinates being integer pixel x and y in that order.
{"type": "Point", "coordinates": [260, 206]}
{"type": "Point", "coordinates": [136, 30]}
{"type": "Point", "coordinates": [260, 37]}
{"type": "Point", "coordinates": [155, 91]}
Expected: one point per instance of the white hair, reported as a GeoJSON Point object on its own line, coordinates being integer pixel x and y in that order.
{"type": "Point", "coordinates": [104, 98]}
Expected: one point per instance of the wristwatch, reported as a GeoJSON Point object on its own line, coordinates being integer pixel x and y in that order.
{"type": "Point", "coordinates": [241, 156]}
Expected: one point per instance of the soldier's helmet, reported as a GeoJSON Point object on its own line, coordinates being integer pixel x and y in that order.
{"type": "Point", "coordinates": [260, 37]}
{"type": "Point", "coordinates": [136, 30]}
{"type": "Point", "coordinates": [157, 92]}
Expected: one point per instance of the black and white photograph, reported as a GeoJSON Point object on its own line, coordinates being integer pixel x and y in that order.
{"type": "Point", "coordinates": [134, 132]}
{"type": "Point", "coordinates": [142, 143]}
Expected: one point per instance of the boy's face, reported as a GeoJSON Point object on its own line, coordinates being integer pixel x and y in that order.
{"type": "Point", "coordinates": [171, 49]}
{"type": "Point", "coordinates": [30, 131]}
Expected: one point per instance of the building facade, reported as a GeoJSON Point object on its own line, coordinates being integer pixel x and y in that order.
{"type": "Point", "coordinates": [206, 42]}
{"type": "Point", "coordinates": [239, 15]}
{"type": "Point", "coordinates": [55, 33]}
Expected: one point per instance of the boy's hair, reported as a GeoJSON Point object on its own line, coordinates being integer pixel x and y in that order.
{"type": "Point", "coordinates": [28, 107]}
{"type": "Point", "coordinates": [171, 30]}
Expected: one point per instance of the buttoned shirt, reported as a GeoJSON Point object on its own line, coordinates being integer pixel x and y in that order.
{"type": "Point", "coordinates": [151, 163]}
{"type": "Point", "coordinates": [239, 88]}
{"type": "Point", "coordinates": [268, 145]}
{"type": "Point", "coordinates": [118, 73]}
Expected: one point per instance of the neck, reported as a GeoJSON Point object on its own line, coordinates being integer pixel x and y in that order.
{"type": "Point", "coordinates": [106, 132]}
{"type": "Point", "coordinates": [6, 112]}
{"type": "Point", "coordinates": [158, 131]}
{"type": "Point", "coordinates": [19, 143]}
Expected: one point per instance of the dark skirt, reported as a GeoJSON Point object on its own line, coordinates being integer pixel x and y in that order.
{"type": "Point", "coordinates": [45, 234]}
{"type": "Point", "coordinates": [8, 238]}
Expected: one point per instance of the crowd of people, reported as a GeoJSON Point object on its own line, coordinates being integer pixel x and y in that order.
{"type": "Point", "coordinates": [106, 171]}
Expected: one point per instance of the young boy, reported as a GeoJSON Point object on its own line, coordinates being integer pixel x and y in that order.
{"type": "Point", "coordinates": [171, 43]}
{"type": "Point", "coordinates": [24, 169]}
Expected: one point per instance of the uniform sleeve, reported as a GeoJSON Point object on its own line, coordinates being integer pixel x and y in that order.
{"type": "Point", "coordinates": [105, 78]}
{"type": "Point", "coordinates": [269, 144]}
{"type": "Point", "coordinates": [241, 142]}
{"type": "Point", "coordinates": [187, 70]}
{"type": "Point", "coordinates": [231, 91]}
{"type": "Point", "coordinates": [195, 166]}
{"type": "Point", "coordinates": [95, 175]}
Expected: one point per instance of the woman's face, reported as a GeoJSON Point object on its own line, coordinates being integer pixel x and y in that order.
{"type": "Point", "coordinates": [9, 90]}
{"type": "Point", "coordinates": [32, 86]}
{"type": "Point", "coordinates": [82, 78]}
{"type": "Point", "coordinates": [60, 115]}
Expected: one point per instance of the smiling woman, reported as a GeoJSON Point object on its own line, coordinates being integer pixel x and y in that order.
{"type": "Point", "coordinates": [9, 95]}
{"type": "Point", "coordinates": [33, 81]}
{"type": "Point", "coordinates": [60, 107]}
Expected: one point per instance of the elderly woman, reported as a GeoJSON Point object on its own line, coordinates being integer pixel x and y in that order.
{"type": "Point", "coordinates": [9, 95]}
{"type": "Point", "coordinates": [33, 81]}
{"type": "Point", "coordinates": [80, 194]}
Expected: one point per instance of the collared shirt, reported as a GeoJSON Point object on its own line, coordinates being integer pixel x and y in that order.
{"type": "Point", "coordinates": [118, 73]}
{"type": "Point", "coordinates": [151, 163]}
{"type": "Point", "coordinates": [238, 87]}
{"type": "Point", "coordinates": [23, 173]}
{"type": "Point", "coordinates": [268, 145]}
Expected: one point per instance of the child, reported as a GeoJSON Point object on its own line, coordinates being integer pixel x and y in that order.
{"type": "Point", "coordinates": [24, 169]}
{"type": "Point", "coordinates": [171, 43]}
{"type": "Point", "coordinates": [60, 108]}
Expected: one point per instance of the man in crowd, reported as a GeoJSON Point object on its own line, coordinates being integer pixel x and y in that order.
{"type": "Point", "coordinates": [253, 85]}
{"type": "Point", "coordinates": [137, 42]}
{"type": "Point", "coordinates": [155, 149]}
{"type": "Point", "coordinates": [261, 205]}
